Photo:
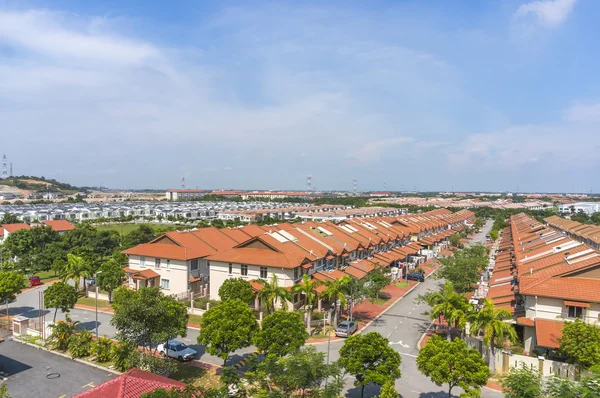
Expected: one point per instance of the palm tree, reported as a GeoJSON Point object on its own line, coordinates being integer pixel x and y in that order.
{"type": "Point", "coordinates": [75, 268]}
{"type": "Point", "coordinates": [308, 288]}
{"type": "Point", "coordinates": [491, 322]}
{"type": "Point", "coordinates": [448, 304]}
{"type": "Point", "coordinates": [272, 292]}
{"type": "Point", "coordinates": [334, 292]}
{"type": "Point", "coordinates": [62, 332]}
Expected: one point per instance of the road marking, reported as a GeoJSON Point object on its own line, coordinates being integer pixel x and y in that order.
{"type": "Point", "coordinates": [389, 335]}
{"type": "Point", "coordinates": [88, 385]}
{"type": "Point", "coordinates": [408, 355]}
{"type": "Point", "coordinates": [62, 396]}
{"type": "Point", "coordinates": [400, 343]}
{"type": "Point", "coordinates": [413, 309]}
{"type": "Point", "coordinates": [410, 313]}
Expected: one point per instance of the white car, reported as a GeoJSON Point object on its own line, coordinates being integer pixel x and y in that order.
{"type": "Point", "coordinates": [177, 349]}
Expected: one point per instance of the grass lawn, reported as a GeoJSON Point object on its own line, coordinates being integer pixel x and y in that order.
{"type": "Point", "coordinates": [199, 377]}
{"type": "Point", "coordinates": [381, 300]}
{"type": "Point", "coordinates": [46, 276]}
{"type": "Point", "coordinates": [124, 229]}
{"type": "Point", "coordinates": [319, 333]}
{"type": "Point", "coordinates": [92, 302]}
{"type": "Point", "coordinates": [195, 319]}
{"type": "Point", "coordinates": [402, 285]}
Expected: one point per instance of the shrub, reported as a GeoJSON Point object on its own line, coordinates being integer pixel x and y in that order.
{"type": "Point", "coordinates": [158, 365]}
{"type": "Point", "coordinates": [80, 344]}
{"type": "Point", "coordinates": [125, 355]}
{"type": "Point", "coordinates": [420, 271]}
{"type": "Point", "coordinates": [102, 349]}
{"type": "Point", "coordinates": [202, 301]}
{"type": "Point", "coordinates": [62, 332]}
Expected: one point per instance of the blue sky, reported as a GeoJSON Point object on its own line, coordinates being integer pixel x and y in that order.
{"type": "Point", "coordinates": [471, 95]}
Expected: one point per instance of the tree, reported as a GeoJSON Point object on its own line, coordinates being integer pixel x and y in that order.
{"type": "Point", "coordinates": [145, 316]}
{"type": "Point", "coordinates": [236, 288]}
{"type": "Point", "coordinates": [370, 359]}
{"type": "Point", "coordinates": [190, 391]}
{"type": "Point", "coordinates": [491, 322]}
{"type": "Point", "coordinates": [8, 218]}
{"type": "Point", "coordinates": [463, 269]}
{"type": "Point", "coordinates": [75, 268]}
{"type": "Point", "coordinates": [282, 333]}
{"type": "Point", "coordinates": [522, 382]}
{"type": "Point", "coordinates": [272, 293]}
{"type": "Point", "coordinates": [62, 332]}
{"type": "Point", "coordinates": [61, 296]}
{"type": "Point", "coordinates": [388, 391]}
{"type": "Point", "coordinates": [142, 234]}
{"type": "Point", "coordinates": [308, 288]}
{"type": "Point", "coordinates": [11, 284]}
{"type": "Point", "coordinates": [580, 343]}
{"type": "Point", "coordinates": [452, 363]}
{"type": "Point", "coordinates": [455, 240]}
{"type": "Point", "coordinates": [110, 277]}
{"type": "Point", "coordinates": [375, 281]}
{"type": "Point", "coordinates": [587, 387]}
{"type": "Point", "coordinates": [227, 327]}
{"type": "Point", "coordinates": [449, 305]}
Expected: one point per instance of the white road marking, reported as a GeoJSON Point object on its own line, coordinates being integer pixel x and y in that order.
{"type": "Point", "coordinates": [408, 355]}
{"type": "Point", "coordinates": [410, 313]}
{"type": "Point", "coordinates": [400, 343]}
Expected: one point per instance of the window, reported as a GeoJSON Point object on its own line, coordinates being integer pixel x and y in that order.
{"type": "Point", "coordinates": [164, 283]}
{"type": "Point", "coordinates": [142, 261]}
{"type": "Point", "coordinates": [263, 272]}
{"type": "Point", "coordinates": [157, 263]}
{"type": "Point", "coordinates": [575, 312]}
{"type": "Point", "coordinates": [296, 273]}
{"type": "Point", "coordinates": [244, 269]}
{"type": "Point", "coordinates": [168, 265]}
{"type": "Point", "coordinates": [230, 268]}
{"type": "Point", "coordinates": [194, 264]}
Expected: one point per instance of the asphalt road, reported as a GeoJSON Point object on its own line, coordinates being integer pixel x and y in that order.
{"type": "Point", "coordinates": [37, 373]}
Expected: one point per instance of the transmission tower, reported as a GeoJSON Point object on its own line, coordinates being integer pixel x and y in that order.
{"type": "Point", "coordinates": [4, 167]}
{"type": "Point", "coordinates": [355, 186]}
{"type": "Point", "coordinates": [11, 173]}
{"type": "Point", "coordinates": [182, 182]}
{"type": "Point", "coordinates": [309, 183]}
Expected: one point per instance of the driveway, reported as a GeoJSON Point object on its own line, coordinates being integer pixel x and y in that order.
{"type": "Point", "coordinates": [37, 373]}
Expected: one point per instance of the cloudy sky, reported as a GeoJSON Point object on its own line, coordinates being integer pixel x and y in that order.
{"type": "Point", "coordinates": [463, 95]}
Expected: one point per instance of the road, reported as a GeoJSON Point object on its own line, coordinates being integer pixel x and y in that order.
{"type": "Point", "coordinates": [37, 373]}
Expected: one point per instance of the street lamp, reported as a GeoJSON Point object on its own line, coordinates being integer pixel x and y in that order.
{"type": "Point", "coordinates": [96, 283]}
{"type": "Point", "coordinates": [329, 341]}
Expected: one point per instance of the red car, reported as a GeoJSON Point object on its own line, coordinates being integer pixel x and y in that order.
{"type": "Point", "coordinates": [34, 281]}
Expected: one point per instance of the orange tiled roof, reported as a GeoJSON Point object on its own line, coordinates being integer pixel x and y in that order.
{"type": "Point", "coordinates": [548, 332]}
{"type": "Point", "coordinates": [159, 250]}
{"type": "Point", "coordinates": [59, 225]}
{"type": "Point", "coordinates": [15, 227]}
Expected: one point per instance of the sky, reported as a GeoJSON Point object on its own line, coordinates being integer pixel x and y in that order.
{"type": "Point", "coordinates": [434, 96]}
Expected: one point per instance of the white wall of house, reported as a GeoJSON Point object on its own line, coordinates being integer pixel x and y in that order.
{"type": "Point", "coordinates": [174, 271]}
{"type": "Point", "coordinates": [554, 309]}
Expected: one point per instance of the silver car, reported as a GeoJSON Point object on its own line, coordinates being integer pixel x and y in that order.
{"type": "Point", "coordinates": [177, 349]}
{"type": "Point", "coordinates": [346, 328]}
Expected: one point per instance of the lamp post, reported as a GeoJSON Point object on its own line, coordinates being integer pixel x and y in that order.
{"type": "Point", "coordinates": [96, 283]}
{"type": "Point", "coordinates": [329, 344]}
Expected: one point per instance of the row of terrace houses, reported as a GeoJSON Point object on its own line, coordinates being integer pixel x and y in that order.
{"type": "Point", "coordinates": [585, 233]}
{"type": "Point", "coordinates": [200, 260]}
{"type": "Point", "coordinates": [544, 277]}
{"type": "Point", "coordinates": [60, 226]}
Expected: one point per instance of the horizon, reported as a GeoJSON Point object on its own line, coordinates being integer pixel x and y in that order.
{"type": "Point", "coordinates": [498, 96]}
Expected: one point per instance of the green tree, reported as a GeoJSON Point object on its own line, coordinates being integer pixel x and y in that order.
{"type": "Point", "coordinates": [125, 355]}
{"type": "Point", "coordinates": [75, 268]}
{"type": "Point", "coordinates": [11, 284]}
{"type": "Point", "coordinates": [227, 327]}
{"type": "Point", "coordinates": [102, 349]}
{"type": "Point", "coordinates": [80, 344]}
{"type": "Point", "coordinates": [8, 218]}
{"type": "Point", "coordinates": [491, 322]}
{"type": "Point", "coordinates": [272, 293]}
{"type": "Point", "coordinates": [587, 387]}
{"type": "Point", "coordinates": [236, 288]}
{"type": "Point", "coordinates": [62, 332]}
{"type": "Point", "coordinates": [463, 269]}
{"type": "Point", "coordinates": [494, 234]}
{"type": "Point", "coordinates": [580, 343]}
{"type": "Point", "coordinates": [282, 333]}
{"type": "Point", "coordinates": [522, 382]}
{"type": "Point", "coordinates": [142, 234]}
{"type": "Point", "coordinates": [375, 281]}
{"type": "Point", "coordinates": [61, 296]}
{"type": "Point", "coordinates": [308, 288]}
{"type": "Point", "coordinates": [145, 316]}
{"type": "Point", "coordinates": [449, 305]}
{"type": "Point", "coordinates": [110, 277]}
{"type": "Point", "coordinates": [454, 240]}
{"type": "Point", "coordinates": [388, 390]}
{"type": "Point", "coordinates": [370, 359]}
{"type": "Point", "coordinates": [452, 363]}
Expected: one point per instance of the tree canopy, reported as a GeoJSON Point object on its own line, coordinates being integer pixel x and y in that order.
{"type": "Point", "coordinates": [110, 277]}
{"type": "Point", "coordinates": [580, 342]}
{"type": "Point", "coordinates": [236, 288]}
{"type": "Point", "coordinates": [227, 327]}
{"type": "Point", "coordinates": [463, 269]}
{"type": "Point", "coordinates": [282, 333]}
{"type": "Point", "coordinates": [147, 316]}
{"type": "Point", "coordinates": [11, 284]}
{"type": "Point", "coordinates": [370, 359]}
{"type": "Point", "coordinates": [61, 296]}
{"type": "Point", "coordinates": [452, 363]}
{"type": "Point", "coordinates": [522, 382]}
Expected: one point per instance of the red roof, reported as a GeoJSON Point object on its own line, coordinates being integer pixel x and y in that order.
{"type": "Point", "coordinates": [59, 225]}
{"type": "Point", "coordinates": [15, 227]}
{"type": "Point", "coordinates": [131, 384]}
{"type": "Point", "coordinates": [548, 332]}
{"type": "Point", "coordinates": [159, 250]}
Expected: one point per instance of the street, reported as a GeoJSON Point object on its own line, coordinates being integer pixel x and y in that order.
{"type": "Point", "coordinates": [403, 324]}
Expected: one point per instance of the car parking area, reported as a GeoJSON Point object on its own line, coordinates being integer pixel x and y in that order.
{"type": "Point", "coordinates": [37, 373]}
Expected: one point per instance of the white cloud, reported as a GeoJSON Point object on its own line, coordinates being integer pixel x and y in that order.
{"type": "Point", "coordinates": [375, 150]}
{"type": "Point", "coordinates": [584, 113]}
{"type": "Point", "coordinates": [548, 12]}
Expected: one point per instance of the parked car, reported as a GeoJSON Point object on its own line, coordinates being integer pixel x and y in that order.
{"type": "Point", "coordinates": [346, 328]}
{"type": "Point", "coordinates": [177, 349]}
{"type": "Point", "coordinates": [34, 280]}
{"type": "Point", "coordinates": [415, 276]}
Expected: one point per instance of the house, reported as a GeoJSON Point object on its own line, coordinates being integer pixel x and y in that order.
{"type": "Point", "coordinates": [7, 229]}
{"type": "Point", "coordinates": [60, 226]}
{"type": "Point", "coordinates": [131, 384]}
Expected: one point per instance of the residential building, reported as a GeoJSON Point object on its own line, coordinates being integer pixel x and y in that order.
{"type": "Point", "coordinates": [588, 208]}
{"type": "Point", "coordinates": [7, 229]}
{"type": "Point", "coordinates": [184, 194]}
{"type": "Point", "coordinates": [131, 384]}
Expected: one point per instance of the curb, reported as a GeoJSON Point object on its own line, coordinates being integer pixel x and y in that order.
{"type": "Point", "coordinates": [245, 360]}
{"type": "Point", "coordinates": [424, 335]}
{"type": "Point", "coordinates": [116, 372]}
{"type": "Point", "coordinates": [85, 308]}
